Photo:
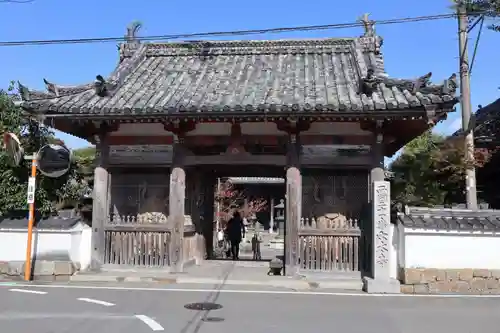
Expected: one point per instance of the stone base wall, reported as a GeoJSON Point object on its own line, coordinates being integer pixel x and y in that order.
{"type": "Point", "coordinates": [41, 270]}
{"type": "Point", "coordinates": [447, 281]}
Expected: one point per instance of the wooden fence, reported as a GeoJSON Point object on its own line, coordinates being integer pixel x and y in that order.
{"type": "Point", "coordinates": [329, 244]}
{"type": "Point", "coordinates": [133, 242]}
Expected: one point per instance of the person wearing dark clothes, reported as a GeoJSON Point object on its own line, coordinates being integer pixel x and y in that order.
{"type": "Point", "coordinates": [235, 231]}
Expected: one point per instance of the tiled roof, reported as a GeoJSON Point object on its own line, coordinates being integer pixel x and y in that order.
{"type": "Point", "coordinates": [18, 220]}
{"type": "Point", "coordinates": [487, 122]}
{"type": "Point", "coordinates": [450, 219]}
{"type": "Point", "coordinates": [322, 75]}
{"type": "Point", "coordinates": [487, 126]}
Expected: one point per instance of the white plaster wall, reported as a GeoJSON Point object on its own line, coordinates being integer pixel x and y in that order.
{"type": "Point", "coordinates": [393, 251]}
{"type": "Point", "coordinates": [73, 245]}
{"type": "Point", "coordinates": [421, 248]}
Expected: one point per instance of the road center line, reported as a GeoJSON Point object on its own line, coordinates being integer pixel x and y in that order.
{"type": "Point", "coordinates": [29, 291]}
{"type": "Point", "coordinates": [95, 301]}
{"type": "Point", "coordinates": [150, 322]}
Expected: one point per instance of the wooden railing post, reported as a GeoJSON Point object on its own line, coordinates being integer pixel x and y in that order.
{"type": "Point", "coordinates": [329, 243]}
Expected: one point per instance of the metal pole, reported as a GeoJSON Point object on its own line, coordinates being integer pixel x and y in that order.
{"type": "Point", "coordinates": [466, 107]}
{"type": "Point", "coordinates": [31, 221]}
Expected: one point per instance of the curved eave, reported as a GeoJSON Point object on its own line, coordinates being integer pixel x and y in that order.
{"type": "Point", "coordinates": [102, 86]}
{"type": "Point", "coordinates": [239, 111]}
{"type": "Point", "coordinates": [52, 93]}
{"type": "Point", "coordinates": [403, 134]}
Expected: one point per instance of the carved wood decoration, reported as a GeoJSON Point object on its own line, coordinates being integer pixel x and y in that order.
{"type": "Point", "coordinates": [140, 195]}
{"type": "Point", "coordinates": [334, 192]}
{"type": "Point", "coordinates": [180, 128]}
{"type": "Point", "coordinates": [293, 126]}
{"type": "Point", "coordinates": [236, 148]}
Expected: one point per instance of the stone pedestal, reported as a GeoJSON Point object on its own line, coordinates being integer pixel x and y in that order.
{"type": "Point", "coordinates": [374, 286]}
{"type": "Point", "coordinates": [281, 228]}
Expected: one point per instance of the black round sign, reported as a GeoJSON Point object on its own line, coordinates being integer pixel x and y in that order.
{"type": "Point", "coordinates": [54, 160]}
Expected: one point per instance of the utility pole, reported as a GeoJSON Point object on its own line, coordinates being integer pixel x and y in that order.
{"type": "Point", "coordinates": [466, 107]}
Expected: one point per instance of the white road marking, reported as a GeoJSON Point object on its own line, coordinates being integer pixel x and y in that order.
{"type": "Point", "coordinates": [13, 316]}
{"type": "Point", "coordinates": [150, 322]}
{"type": "Point", "coordinates": [29, 291]}
{"type": "Point", "coordinates": [95, 301]}
{"type": "Point", "coordinates": [242, 291]}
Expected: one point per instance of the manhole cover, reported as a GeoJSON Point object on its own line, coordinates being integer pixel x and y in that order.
{"type": "Point", "coordinates": [213, 319]}
{"type": "Point", "coordinates": [204, 306]}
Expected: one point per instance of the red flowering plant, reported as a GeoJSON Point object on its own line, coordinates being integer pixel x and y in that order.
{"type": "Point", "coordinates": [229, 199]}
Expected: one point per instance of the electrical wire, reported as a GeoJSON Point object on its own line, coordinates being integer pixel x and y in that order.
{"type": "Point", "coordinates": [478, 38]}
{"type": "Point", "coordinates": [16, 1]}
{"type": "Point", "coordinates": [228, 33]}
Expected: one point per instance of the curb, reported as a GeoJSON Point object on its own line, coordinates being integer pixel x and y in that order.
{"type": "Point", "coordinates": [350, 285]}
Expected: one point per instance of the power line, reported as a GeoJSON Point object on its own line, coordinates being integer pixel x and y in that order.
{"type": "Point", "coordinates": [16, 1]}
{"type": "Point", "coordinates": [227, 33]}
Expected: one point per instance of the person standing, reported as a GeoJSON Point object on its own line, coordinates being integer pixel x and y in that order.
{"type": "Point", "coordinates": [236, 232]}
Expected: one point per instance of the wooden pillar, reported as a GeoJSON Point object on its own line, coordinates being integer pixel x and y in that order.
{"type": "Point", "coordinates": [380, 232]}
{"type": "Point", "coordinates": [293, 204]}
{"type": "Point", "coordinates": [100, 203]}
{"type": "Point", "coordinates": [209, 187]}
{"type": "Point", "coordinates": [177, 197]}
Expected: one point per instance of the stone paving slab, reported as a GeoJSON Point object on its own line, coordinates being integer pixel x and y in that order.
{"type": "Point", "coordinates": [221, 273]}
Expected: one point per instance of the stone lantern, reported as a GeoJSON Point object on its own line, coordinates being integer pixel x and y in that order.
{"type": "Point", "coordinates": [280, 217]}
{"type": "Point", "coordinates": [279, 241]}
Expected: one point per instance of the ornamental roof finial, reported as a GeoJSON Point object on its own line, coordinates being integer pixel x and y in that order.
{"type": "Point", "coordinates": [132, 29]}
{"type": "Point", "coordinates": [368, 24]}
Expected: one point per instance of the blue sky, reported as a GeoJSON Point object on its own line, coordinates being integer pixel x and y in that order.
{"type": "Point", "coordinates": [410, 50]}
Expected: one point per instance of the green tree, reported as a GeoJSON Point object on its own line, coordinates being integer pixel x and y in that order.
{"type": "Point", "coordinates": [13, 180]}
{"type": "Point", "coordinates": [412, 184]}
{"type": "Point", "coordinates": [431, 171]}
{"type": "Point", "coordinates": [488, 8]}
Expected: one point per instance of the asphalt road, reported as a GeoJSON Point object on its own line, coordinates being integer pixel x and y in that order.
{"type": "Point", "coordinates": [109, 309]}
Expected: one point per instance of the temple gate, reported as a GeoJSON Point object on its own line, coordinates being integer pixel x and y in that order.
{"type": "Point", "coordinates": [323, 112]}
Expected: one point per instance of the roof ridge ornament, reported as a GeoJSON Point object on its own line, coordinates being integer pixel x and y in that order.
{"type": "Point", "coordinates": [368, 24]}
{"type": "Point", "coordinates": [422, 84]}
{"type": "Point", "coordinates": [51, 87]}
{"type": "Point", "coordinates": [101, 87]}
{"type": "Point", "coordinates": [132, 29]}
{"type": "Point", "coordinates": [23, 91]}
